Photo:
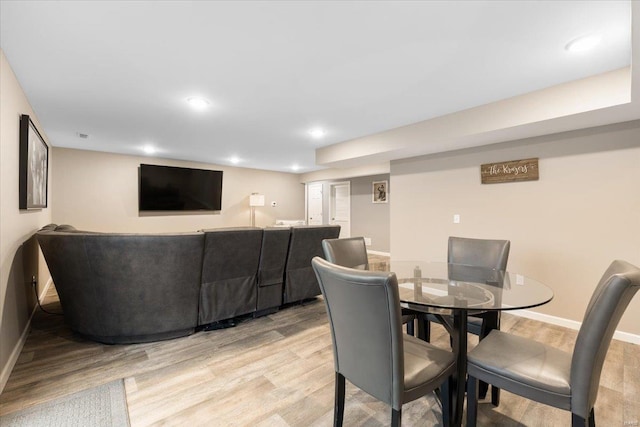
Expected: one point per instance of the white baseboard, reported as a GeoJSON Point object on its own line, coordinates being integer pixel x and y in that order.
{"type": "Point", "coordinates": [43, 293]}
{"type": "Point", "coordinates": [378, 253]}
{"type": "Point", "coordinates": [13, 358]}
{"type": "Point", "coordinates": [571, 324]}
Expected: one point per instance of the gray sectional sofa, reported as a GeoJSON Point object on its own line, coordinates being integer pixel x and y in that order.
{"type": "Point", "coordinates": [130, 288]}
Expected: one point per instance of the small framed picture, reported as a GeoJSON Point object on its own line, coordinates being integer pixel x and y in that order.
{"type": "Point", "coordinates": [34, 166]}
{"type": "Point", "coordinates": [380, 194]}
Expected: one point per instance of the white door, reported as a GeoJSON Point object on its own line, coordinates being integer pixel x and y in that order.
{"type": "Point", "coordinates": [314, 204]}
{"type": "Point", "coordinates": [340, 203]}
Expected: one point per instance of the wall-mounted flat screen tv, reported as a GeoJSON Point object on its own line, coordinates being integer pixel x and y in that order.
{"type": "Point", "coordinates": [168, 188]}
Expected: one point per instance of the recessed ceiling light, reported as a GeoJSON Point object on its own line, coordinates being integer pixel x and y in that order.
{"type": "Point", "coordinates": [317, 133]}
{"type": "Point", "coordinates": [295, 167]}
{"type": "Point", "coordinates": [234, 160]}
{"type": "Point", "coordinates": [584, 43]}
{"type": "Point", "coordinates": [197, 102]}
{"type": "Point", "coordinates": [148, 149]}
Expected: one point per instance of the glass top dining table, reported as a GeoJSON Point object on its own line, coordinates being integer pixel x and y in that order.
{"type": "Point", "coordinates": [444, 286]}
{"type": "Point", "coordinates": [461, 290]}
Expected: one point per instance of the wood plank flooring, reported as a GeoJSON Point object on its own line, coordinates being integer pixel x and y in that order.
{"type": "Point", "coordinates": [272, 371]}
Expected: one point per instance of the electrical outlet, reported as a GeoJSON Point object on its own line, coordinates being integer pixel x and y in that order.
{"type": "Point", "coordinates": [367, 241]}
{"type": "Point", "coordinates": [456, 218]}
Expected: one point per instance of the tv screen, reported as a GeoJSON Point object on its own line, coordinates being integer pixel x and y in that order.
{"type": "Point", "coordinates": [168, 188]}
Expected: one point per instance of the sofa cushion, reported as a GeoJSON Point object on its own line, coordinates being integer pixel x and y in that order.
{"type": "Point", "coordinates": [229, 269]}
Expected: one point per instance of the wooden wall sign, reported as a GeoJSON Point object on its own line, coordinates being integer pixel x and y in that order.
{"type": "Point", "coordinates": [515, 170]}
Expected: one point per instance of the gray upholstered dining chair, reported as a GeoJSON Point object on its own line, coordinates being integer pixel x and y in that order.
{"type": "Point", "coordinates": [546, 374]}
{"type": "Point", "coordinates": [486, 253]}
{"type": "Point", "coordinates": [369, 347]}
{"type": "Point", "coordinates": [352, 252]}
{"type": "Point", "coordinates": [348, 252]}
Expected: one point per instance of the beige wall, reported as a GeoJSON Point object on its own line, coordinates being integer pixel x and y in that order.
{"type": "Point", "coordinates": [565, 228]}
{"type": "Point", "coordinates": [19, 255]}
{"type": "Point", "coordinates": [99, 192]}
{"type": "Point", "coordinates": [370, 219]}
{"type": "Point", "coordinates": [367, 219]}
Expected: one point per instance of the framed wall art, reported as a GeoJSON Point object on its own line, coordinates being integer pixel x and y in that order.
{"type": "Point", "coordinates": [380, 194]}
{"type": "Point", "coordinates": [34, 166]}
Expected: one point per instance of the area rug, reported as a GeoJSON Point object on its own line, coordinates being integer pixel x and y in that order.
{"type": "Point", "coordinates": [102, 406]}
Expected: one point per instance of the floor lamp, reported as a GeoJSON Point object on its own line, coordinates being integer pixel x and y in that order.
{"type": "Point", "coordinates": [255, 199]}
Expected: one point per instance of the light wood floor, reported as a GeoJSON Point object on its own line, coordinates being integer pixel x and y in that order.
{"type": "Point", "coordinates": [272, 371]}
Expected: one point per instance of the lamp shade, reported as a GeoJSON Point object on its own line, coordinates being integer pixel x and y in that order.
{"type": "Point", "coordinates": [256, 200]}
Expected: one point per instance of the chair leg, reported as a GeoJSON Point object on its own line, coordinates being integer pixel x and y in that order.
{"type": "Point", "coordinates": [495, 393]}
{"type": "Point", "coordinates": [489, 324]}
{"type": "Point", "coordinates": [445, 399]}
{"type": "Point", "coordinates": [396, 417]}
{"type": "Point", "coordinates": [338, 409]}
{"type": "Point", "coordinates": [426, 327]}
{"type": "Point", "coordinates": [495, 396]}
{"type": "Point", "coordinates": [411, 327]}
{"type": "Point", "coordinates": [482, 390]}
{"type": "Point", "coordinates": [472, 401]}
{"type": "Point", "coordinates": [578, 421]}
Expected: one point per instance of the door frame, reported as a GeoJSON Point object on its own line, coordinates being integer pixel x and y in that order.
{"type": "Point", "coordinates": [332, 201]}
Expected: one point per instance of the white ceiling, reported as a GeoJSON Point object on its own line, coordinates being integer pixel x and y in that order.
{"type": "Point", "coordinates": [121, 71]}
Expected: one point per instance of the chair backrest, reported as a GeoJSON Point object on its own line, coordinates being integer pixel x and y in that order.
{"type": "Point", "coordinates": [479, 252]}
{"type": "Point", "coordinates": [366, 327]}
{"type": "Point", "coordinates": [609, 300]}
{"type": "Point", "coordinates": [349, 252]}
